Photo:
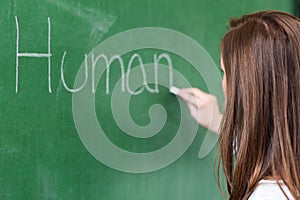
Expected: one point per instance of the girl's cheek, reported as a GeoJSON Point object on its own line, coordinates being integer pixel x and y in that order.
{"type": "Point", "coordinates": [224, 86]}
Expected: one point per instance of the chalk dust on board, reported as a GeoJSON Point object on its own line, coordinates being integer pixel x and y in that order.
{"type": "Point", "coordinates": [99, 21]}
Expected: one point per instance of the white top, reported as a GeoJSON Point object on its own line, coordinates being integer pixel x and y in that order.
{"type": "Point", "coordinates": [269, 190]}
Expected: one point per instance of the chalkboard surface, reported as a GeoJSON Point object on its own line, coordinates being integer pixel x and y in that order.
{"type": "Point", "coordinates": [86, 111]}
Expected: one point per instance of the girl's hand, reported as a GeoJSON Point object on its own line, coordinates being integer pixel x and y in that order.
{"type": "Point", "coordinates": [203, 107]}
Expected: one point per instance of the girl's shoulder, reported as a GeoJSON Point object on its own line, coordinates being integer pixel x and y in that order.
{"type": "Point", "coordinates": [270, 190]}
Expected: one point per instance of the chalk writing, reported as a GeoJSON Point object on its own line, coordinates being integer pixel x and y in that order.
{"type": "Point", "coordinates": [108, 64]}
{"type": "Point", "coordinates": [63, 77]}
{"type": "Point", "coordinates": [125, 77]}
{"type": "Point", "coordinates": [33, 55]}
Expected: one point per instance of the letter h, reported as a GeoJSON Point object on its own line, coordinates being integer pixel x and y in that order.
{"type": "Point", "coordinates": [36, 55]}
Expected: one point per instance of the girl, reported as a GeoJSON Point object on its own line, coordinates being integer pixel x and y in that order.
{"type": "Point", "coordinates": [260, 57]}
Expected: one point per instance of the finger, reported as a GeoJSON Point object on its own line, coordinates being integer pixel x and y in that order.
{"type": "Point", "coordinates": [191, 96]}
{"type": "Point", "coordinates": [194, 91]}
{"type": "Point", "coordinates": [194, 112]}
{"type": "Point", "coordinates": [200, 94]}
{"type": "Point", "coordinates": [188, 97]}
{"type": "Point", "coordinates": [191, 106]}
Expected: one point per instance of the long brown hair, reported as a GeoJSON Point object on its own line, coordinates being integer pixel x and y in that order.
{"type": "Point", "coordinates": [261, 57]}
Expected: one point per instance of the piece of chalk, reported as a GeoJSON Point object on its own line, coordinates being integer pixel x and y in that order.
{"type": "Point", "coordinates": [174, 90]}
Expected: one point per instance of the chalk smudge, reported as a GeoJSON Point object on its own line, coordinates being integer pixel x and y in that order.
{"type": "Point", "coordinates": [100, 21]}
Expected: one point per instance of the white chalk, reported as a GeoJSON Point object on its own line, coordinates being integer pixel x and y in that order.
{"type": "Point", "coordinates": [174, 90]}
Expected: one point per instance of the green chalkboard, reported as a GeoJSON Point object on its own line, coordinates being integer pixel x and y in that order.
{"type": "Point", "coordinates": [86, 111]}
